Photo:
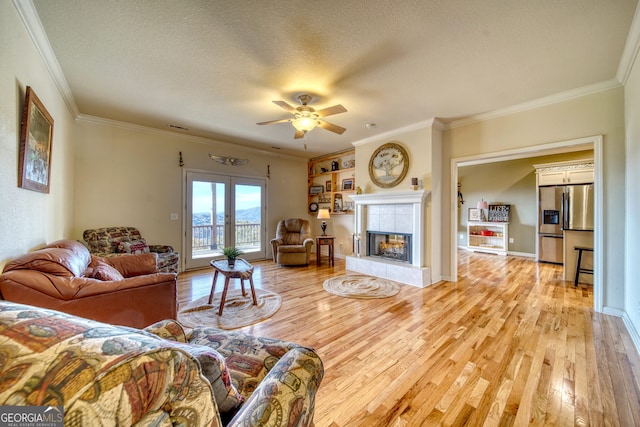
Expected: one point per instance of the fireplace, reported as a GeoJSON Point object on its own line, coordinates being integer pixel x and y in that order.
{"type": "Point", "coordinates": [391, 246]}
{"type": "Point", "coordinates": [401, 216]}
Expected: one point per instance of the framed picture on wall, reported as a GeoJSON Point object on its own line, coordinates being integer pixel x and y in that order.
{"type": "Point", "coordinates": [36, 135]}
{"type": "Point", "coordinates": [474, 214]}
{"type": "Point", "coordinates": [316, 189]}
{"type": "Point", "coordinates": [499, 213]}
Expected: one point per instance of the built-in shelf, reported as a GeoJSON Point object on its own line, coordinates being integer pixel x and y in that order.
{"type": "Point", "coordinates": [332, 172]}
{"type": "Point", "coordinates": [491, 237]}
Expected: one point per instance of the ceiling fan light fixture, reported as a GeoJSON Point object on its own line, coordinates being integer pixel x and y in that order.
{"type": "Point", "coordinates": [306, 118]}
{"type": "Point", "coordinates": [304, 123]}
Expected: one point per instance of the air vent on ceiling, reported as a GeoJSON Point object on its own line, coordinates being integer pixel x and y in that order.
{"type": "Point", "coordinates": [172, 126]}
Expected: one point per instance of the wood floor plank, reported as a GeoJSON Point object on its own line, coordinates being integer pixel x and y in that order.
{"type": "Point", "coordinates": [510, 343]}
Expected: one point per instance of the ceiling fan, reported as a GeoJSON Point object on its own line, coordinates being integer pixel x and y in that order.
{"type": "Point", "coordinates": [305, 118]}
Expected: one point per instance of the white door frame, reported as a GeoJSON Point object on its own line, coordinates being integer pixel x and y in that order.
{"type": "Point", "coordinates": [587, 143]}
{"type": "Point", "coordinates": [232, 180]}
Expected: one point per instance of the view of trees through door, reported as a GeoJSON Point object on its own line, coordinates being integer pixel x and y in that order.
{"type": "Point", "coordinates": [223, 211]}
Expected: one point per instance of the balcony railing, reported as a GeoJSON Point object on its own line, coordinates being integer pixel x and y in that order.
{"type": "Point", "coordinates": [211, 237]}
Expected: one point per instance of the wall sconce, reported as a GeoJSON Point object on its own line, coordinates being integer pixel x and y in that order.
{"type": "Point", "coordinates": [323, 214]}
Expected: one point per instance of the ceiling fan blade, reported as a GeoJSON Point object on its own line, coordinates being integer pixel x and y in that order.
{"type": "Point", "coordinates": [271, 122]}
{"type": "Point", "coordinates": [329, 111]}
{"type": "Point", "coordinates": [286, 106]}
{"type": "Point", "coordinates": [330, 126]}
{"type": "Point", "coordinates": [299, 134]}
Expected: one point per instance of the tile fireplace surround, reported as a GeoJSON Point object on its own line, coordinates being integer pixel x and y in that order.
{"type": "Point", "coordinates": [391, 212]}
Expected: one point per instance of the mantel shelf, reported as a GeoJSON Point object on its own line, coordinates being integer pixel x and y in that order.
{"type": "Point", "coordinates": [390, 197]}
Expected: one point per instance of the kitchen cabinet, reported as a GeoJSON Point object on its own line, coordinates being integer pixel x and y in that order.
{"type": "Point", "coordinates": [577, 172]}
{"type": "Point", "coordinates": [491, 237]}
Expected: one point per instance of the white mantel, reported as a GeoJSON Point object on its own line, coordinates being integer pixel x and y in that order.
{"type": "Point", "coordinates": [397, 211]}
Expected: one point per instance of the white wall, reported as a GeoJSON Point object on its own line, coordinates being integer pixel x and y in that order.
{"type": "Point", "coordinates": [30, 219]}
{"type": "Point", "coordinates": [128, 175]}
{"type": "Point", "coordinates": [600, 113]}
{"type": "Point", "coordinates": [632, 231]}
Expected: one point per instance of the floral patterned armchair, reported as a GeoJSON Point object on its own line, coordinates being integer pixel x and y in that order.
{"type": "Point", "coordinates": [115, 241]}
{"type": "Point", "coordinates": [103, 374]}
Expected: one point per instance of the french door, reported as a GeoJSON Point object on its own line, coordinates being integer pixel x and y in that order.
{"type": "Point", "coordinates": [223, 211]}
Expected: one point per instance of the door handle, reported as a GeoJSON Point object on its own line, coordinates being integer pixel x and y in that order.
{"type": "Point", "coordinates": [565, 211]}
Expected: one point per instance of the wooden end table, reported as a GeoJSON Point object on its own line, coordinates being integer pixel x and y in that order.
{"type": "Point", "coordinates": [327, 241]}
{"type": "Point", "coordinates": [241, 270]}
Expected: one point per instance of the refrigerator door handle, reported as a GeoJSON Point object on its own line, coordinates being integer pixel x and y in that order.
{"type": "Point", "coordinates": [565, 211]}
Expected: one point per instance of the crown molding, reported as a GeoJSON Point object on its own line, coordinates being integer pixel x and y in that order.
{"type": "Point", "coordinates": [100, 121]}
{"type": "Point", "coordinates": [32, 23]}
{"type": "Point", "coordinates": [537, 103]}
{"type": "Point", "coordinates": [631, 48]}
{"type": "Point", "coordinates": [432, 122]}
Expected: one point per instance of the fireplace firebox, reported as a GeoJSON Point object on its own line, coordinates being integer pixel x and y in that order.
{"type": "Point", "coordinates": [392, 246]}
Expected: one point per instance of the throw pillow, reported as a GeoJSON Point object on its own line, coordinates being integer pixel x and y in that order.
{"type": "Point", "coordinates": [134, 247]}
{"type": "Point", "coordinates": [214, 368]}
{"type": "Point", "coordinates": [105, 272]}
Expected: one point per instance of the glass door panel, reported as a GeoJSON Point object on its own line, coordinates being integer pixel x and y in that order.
{"type": "Point", "coordinates": [223, 211]}
{"type": "Point", "coordinates": [206, 229]}
{"type": "Point", "coordinates": [249, 210]}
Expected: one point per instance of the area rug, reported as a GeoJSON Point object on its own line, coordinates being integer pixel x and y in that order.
{"type": "Point", "coordinates": [361, 286]}
{"type": "Point", "coordinates": [238, 311]}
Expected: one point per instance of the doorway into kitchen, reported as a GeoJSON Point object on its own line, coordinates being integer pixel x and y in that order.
{"type": "Point", "coordinates": [589, 143]}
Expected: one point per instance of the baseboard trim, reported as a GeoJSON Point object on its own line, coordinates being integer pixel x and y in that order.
{"type": "Point", "coordinates": [633, 332]}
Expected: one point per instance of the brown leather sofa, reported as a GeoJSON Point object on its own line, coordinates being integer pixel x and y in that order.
{"type": "Point", "coordinates": [293, 242]}
{"type": "Point", "coordinates": [125, 290]}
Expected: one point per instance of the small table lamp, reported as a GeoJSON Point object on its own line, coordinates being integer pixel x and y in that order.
{"type": "Point", "coordinates": [323, 214]}
{"type": "Point", "coordinates": [482, 205]}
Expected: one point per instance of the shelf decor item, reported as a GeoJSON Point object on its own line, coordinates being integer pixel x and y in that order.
{"type": "Point", "coordinates": [499, 213]}
{"type": "Point", "coordinates": [474, 214]}
{"type": "Point", "coordinates": [388, 165]}
{"type": "Point", "coordinates": [347, 184]}
{"type": "Point", "coordinates": [327, 185]}
{"type": "Point", "coordinates": [36, 136]}
{"type": "Point", "coordinates": [316, 189]}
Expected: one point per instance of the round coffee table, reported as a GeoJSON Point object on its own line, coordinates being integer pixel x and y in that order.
{"type": "Point", "coordinates": [241, 270]}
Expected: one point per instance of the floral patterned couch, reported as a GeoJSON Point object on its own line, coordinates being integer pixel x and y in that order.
{"type": "Point", "coordinates": [114, 375]}
{"type": "Point", "coordinates": [114, 241]}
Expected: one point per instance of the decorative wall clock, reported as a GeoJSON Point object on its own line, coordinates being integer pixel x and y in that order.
{"type": "Point", "coordinates": [388, 165]}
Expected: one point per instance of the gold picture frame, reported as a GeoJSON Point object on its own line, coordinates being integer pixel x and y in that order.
{"type": "Point", "coordinates": [347, 184]}
{"type": "Point", "coordinates": [36, 136]}
{"type": "Point", "coordinates": [388, 165]}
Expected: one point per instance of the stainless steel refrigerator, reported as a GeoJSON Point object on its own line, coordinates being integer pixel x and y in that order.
{"type": "Point", "coordinates": [563, 207]}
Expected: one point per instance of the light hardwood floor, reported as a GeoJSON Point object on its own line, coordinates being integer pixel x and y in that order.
{"type": "Point", "coordinates": [509, 344]}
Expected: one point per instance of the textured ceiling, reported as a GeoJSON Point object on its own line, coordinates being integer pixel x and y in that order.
{"type": "Point", "coordinates": [215, 66]}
